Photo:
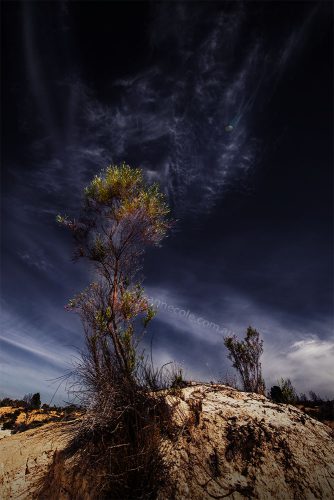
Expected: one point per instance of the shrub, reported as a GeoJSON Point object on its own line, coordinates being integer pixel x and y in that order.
{"type": "Point", "coordinates": [36, 401]}
{"type": "Point", "coordinates": [289, 394]}
{"type": "Point", "coordinates": [120, 435]}
{"type": "Point", "coordinates": [7, 402]}
{"type": "Point", "coordinates": [315, 398]}
{"type": "Point", "coordinates": [276, 394]}
{"type": "Point", "coordinates": [326, 411]}
{"type": "Point", "coordinates": [32, 401]}
{"type": "Point", "coordinates": [245, 355]}
{"type": "Point", "coordinates": [120, 218]}
{"type": "Point", "coordinates": [9, 423]}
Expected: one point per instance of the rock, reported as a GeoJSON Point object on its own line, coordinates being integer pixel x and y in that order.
{"type": "Point", "coordinates": [242, 445]}
{"type": "Point", "coordinates": [26, 456]}
{"type": "Point", "coordinates": [228, 444]}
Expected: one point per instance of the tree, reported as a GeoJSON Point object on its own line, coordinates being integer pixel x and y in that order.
{"type": "Point", "coordinates": [289, 395]}
{"type": "Point", "coordinates": [27, 399]}
{"type": "Point", "coordinates": [120, 218]}
{"type": "Point", "coordinates": [32, 401]}
{"type": "Point", "coordinates": [276, 394]}
{"type": "Point", "coordinates": [245, 355]}
{"type": "Point", "coordinates": [36, 401]}
{"type": "Point", "coordinates": [120, 435]}
{"type": "Point", "coordinates": [315, 398]}
{"type": "Point", "coordinates": [7, 402]}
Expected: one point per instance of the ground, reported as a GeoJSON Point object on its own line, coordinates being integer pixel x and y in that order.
{"type": "Point", "coordinates": [228, 444]}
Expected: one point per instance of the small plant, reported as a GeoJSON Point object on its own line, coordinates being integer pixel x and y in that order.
{"type": "Point", "coordinates": [32, 401]}
{"type": "Point", "coordinates": [326, 411]}
{"type": "Point", "coordinates": [289, 394]}
{"type": "Point", "coordinates": [7, 402]}
{"type": "Point", "coordinates": [315, 398]}
{"type": "Point", "coordinates": [27, 400]}
{"type": "Point", "coordinates": [36, 401]}
{"type": "Point", "coordinates": [302, 398]}
{"type": "Point", "coordinates": [276, 394]}
{"type": "Point", "coordinates": [177, 381]}
{"type": "Point", "coordinates": [9, 423]}
{"type": "Point", "coordinates": [245, 355]}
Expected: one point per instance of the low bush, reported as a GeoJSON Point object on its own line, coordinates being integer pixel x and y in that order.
{"type": "Point", "coordinates": [120, 438]}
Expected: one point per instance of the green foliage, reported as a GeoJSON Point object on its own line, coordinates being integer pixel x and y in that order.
{"type": "Point", "coordinates": [125, 186]}
{"type": "Point", "coordinates": [122, 428]}
{"type": "Point", "coordinates": [289, 395]}
{"type": "Point", "coordinates": [98, 250]}
{"type": "Point", "coordinates": [245, 355]}
{"type": "Point", "coordinates": [150, 313]}
{"type": "Point", "coordinates": [122, 215]}
{"type": "Point", "coordinates": [61, 219]}
{"type": "Point", "coordinates": [177, 380]}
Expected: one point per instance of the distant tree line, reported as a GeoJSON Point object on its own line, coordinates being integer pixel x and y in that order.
{"type": "Point", "coordinates": [29, 401]}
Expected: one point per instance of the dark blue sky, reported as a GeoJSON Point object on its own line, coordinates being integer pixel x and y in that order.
{"type": "Point", "coordinates": [86, 84]}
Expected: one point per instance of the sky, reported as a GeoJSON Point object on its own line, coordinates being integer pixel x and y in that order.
{"type": "Point", "coordinates": [88, 84]}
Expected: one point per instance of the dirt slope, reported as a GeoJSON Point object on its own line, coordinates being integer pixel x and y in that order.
{"type": "Point", "coordinates": [240, 445]}
{"type": "Point", "coordinates": [229, 445]}
{"type": "Point", "coordinates": [25, 457]}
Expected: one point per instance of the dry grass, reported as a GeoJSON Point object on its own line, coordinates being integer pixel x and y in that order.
{"type": "Point", "coordinates": [120, 439]}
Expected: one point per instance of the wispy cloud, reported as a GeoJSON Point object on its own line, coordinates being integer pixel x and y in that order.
{"type": "Point", "coordinates": [31, 359]}
{"type": "Point", "coordinates": [20, 334]}
{"type": "Point", "coordinates": [36, 259]}
{"type": "Point", "coordinates": [170, 118]}
{"type": "Point", "coordinates": [309, 363]}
